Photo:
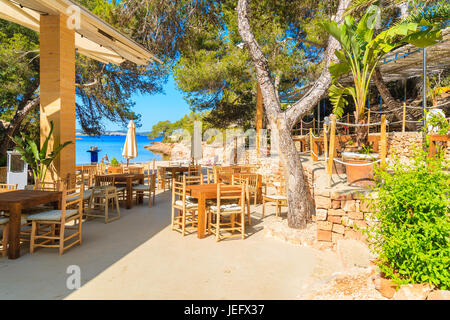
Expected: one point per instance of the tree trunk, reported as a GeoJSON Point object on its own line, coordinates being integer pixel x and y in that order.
{"type": "Point", "coordinates": [393, 106]}
{"type": "Point", "coordinates": [299, 203]}
{"type": "Point", "coordinates": [15, 124]}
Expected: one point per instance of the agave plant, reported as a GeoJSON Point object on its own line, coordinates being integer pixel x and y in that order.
{"type": "Point", "coordinates": [362, 50]}
{"type": "Point", "coordinates": [37, 159]}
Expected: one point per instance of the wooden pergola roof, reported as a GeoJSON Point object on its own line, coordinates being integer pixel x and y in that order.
{"type": "Point", "coordinates": [403, 63]}
{"type": "Point", "coordinates": [94, 38]}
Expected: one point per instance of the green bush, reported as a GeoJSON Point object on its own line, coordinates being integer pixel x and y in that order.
{"type": "Point", "coordinates": [411, 234]}
{"type": "Point", "coordinates": [114, 162]}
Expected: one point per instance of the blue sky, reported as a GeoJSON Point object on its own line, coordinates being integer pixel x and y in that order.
{"type": "Point", "coordinates": [154, 108]}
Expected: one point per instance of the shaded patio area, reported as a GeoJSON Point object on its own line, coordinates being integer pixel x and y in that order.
{"type": "Point", "coordinates": [139, 257]}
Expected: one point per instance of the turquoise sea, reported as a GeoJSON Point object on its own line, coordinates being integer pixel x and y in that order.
{"type": "Point", "coordinates": [112, 147]}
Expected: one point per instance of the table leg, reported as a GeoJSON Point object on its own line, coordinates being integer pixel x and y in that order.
{"type": "Point", "coordinates": [141, 194]}
{"type": "Point", "coordinates": [129, 194]}
{"type": "Point", "coordinates": [201, 227]}
{"type": "Point", "coordinates": [14, 231]}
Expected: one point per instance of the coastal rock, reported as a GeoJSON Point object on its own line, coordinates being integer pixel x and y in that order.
{"type": "Point", "coordinates": [413, 292]}
{"type": "Point", "coordinates": [160, 147]}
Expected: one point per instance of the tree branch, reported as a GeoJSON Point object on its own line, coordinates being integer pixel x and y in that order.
{"type": "Point", "coordinates": [321, 85]}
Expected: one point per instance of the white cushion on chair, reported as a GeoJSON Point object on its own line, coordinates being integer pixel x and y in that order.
{"type": "Point", "coordinates": [189, 205]}
{"type": "Point", "coordinates": [86, 195]}
{"type": "Point", "coordinates": [141, 187]}
{"type": "Point", "coordinates": [227, 207]}
{"type": "Point", "coordinates": [52, 215]}
{"type": "Point", "coordinates": [276, 197]}
{"type": "Point", "coordinates": [4, 220]}
{"type": "Point", "coordinates": [120, 189]}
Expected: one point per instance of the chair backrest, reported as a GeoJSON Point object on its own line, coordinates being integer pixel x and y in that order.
{"type": "Point", "coordinates": [135, 170]}
{"type": "Point", "coordinates": [101, 168]}
{"type": "Point", "coordinates": [103, 180]}
{"type": "Point", "coordinates": [115, 169]}
{"type": "Point", "coordinates": [71, 198]}
{"type": "Point", "coordinates": [161, 173]}
{"type": "Point", "coordinates": [280, 185]}
{"type": "Point", "coordinates": [152, 181]}
{"type": "Point", "coordinates": [178, 191]}
{"type": "Point", "coordinates": [252, 180]}
{"type": "Point", "coordinates": [210, 176]}
{"type": "Point", "coordinates": [88, 174]}
{"type": "Point", "coordinates": [7, 187]}
{"type": "Point", "coordinates": [195, 170]}
{"type": "Point", "coordinates": [228, 193]}
{"type": "Point", "coordinates": [190, 180]}
{"type": "Point", "coordinates": [48, 185]}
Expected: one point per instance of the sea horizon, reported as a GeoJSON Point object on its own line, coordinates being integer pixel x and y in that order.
{"type": "Point", "coordinates": [111, 146]}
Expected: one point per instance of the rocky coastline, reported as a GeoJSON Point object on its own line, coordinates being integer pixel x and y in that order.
{"type": "Point", "coordinates": [160, 147]}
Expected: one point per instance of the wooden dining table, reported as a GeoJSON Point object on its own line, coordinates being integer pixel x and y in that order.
{"type": "Point", "coordinates": [173, 170]}
{"type": "Point", "coordinates": [127, 178]}
{"type": "Point", "coordinates": [203, 192]}
{"type": "Point", "coordinates": [17, 200]}
{"type": "Point", "coordinates": [228, 178]}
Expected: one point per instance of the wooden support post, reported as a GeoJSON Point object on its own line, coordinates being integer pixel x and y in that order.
{"type": "Point", "coordinates": [153, 166]}
{"type": "Point", "coordinates": [348, 121]}
{"type": "Point", "coordinates": [301, 127]}
{"type": "Point", "coordinates": [331, 149]}
{"type": "Point", "coordinates": [383, 141]}
{"type": "Point", "coordinates": [368, 123]}
{"type": "Point", "coordinates": [259, 118]}
{"type": "Point", "coordinates": [404, 117]}
{"type": "Point", "coordinates": [314, 124]}
{"type": "Point", "coordinates": [311, 144]}
{"type": "Point", "coordinates": [325, 142]}
{"type": "Point", "coordinates": [57, 91]}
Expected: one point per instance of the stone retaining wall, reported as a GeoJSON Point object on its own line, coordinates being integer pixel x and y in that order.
{"type": "Point", "coordinates": [340, 216]}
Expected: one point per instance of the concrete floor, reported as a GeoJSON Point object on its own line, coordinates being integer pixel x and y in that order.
{"type": "Point", "coordinates": [139, 257]}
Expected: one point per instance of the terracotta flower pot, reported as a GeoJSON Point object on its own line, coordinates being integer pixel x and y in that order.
{"type": "Point", "coordinates": [360, 174]}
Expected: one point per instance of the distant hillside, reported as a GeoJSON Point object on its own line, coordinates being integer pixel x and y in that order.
{"type": "Point", "coordinates": [80, 132]}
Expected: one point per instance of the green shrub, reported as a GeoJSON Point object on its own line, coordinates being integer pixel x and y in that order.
{"type": "Point", "coordinates": [114, 162]}
{"type": "Point", "coordinates": [411, 235]}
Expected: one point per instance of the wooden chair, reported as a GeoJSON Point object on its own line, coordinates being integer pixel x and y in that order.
{"type": "Point", "coordinates": [147, 189]}
{"type": "Point", "coordinates": [242, 180]}
{"type": "Point", "coordinates": [101, 169]}
{"type": "Point", "coordinates": [280, 199]}
{"type": "Point", "coordinates": [7, 187]}
{"type": "Point", "coordinates": [115, 170]}
{"type": "Point", "coordinates": [4, 226]}
{"type": "Point", "coordinates": [186, 219]}
{"type": "Point", "coordinates": [252, 185]}
{"type": "Point", "coordinates": [210, 176]}
{"type": "Point", "coordinates": [229, 211]}
{"type": "Point", "coordinates": [134, 170]}
{"type": "Point", "coordinates": [78, 182]}
{"type": "Point", "coordinates": [48, 185]}
{"type": "Point", "coordinates": [195, 170]}
{"type": "Point", "coordinates": [44, 224]}
{"type": "Point", "coordinates": [102, 195]}
{"type": "Point", "coordinates": [190, 180]}
{"type": "Point", "coordinates": [165, 176]}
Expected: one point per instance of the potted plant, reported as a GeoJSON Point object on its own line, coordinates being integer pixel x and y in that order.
{"type": "Point", "coordinates": [114, 166]}
{"type": "Point", "coordinates": [361, 51]}
{"type": "Point", "coordinates": [38, 160]}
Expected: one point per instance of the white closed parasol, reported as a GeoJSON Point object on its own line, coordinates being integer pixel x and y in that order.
{"type": "Point", "coordinates": [130, 147]}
